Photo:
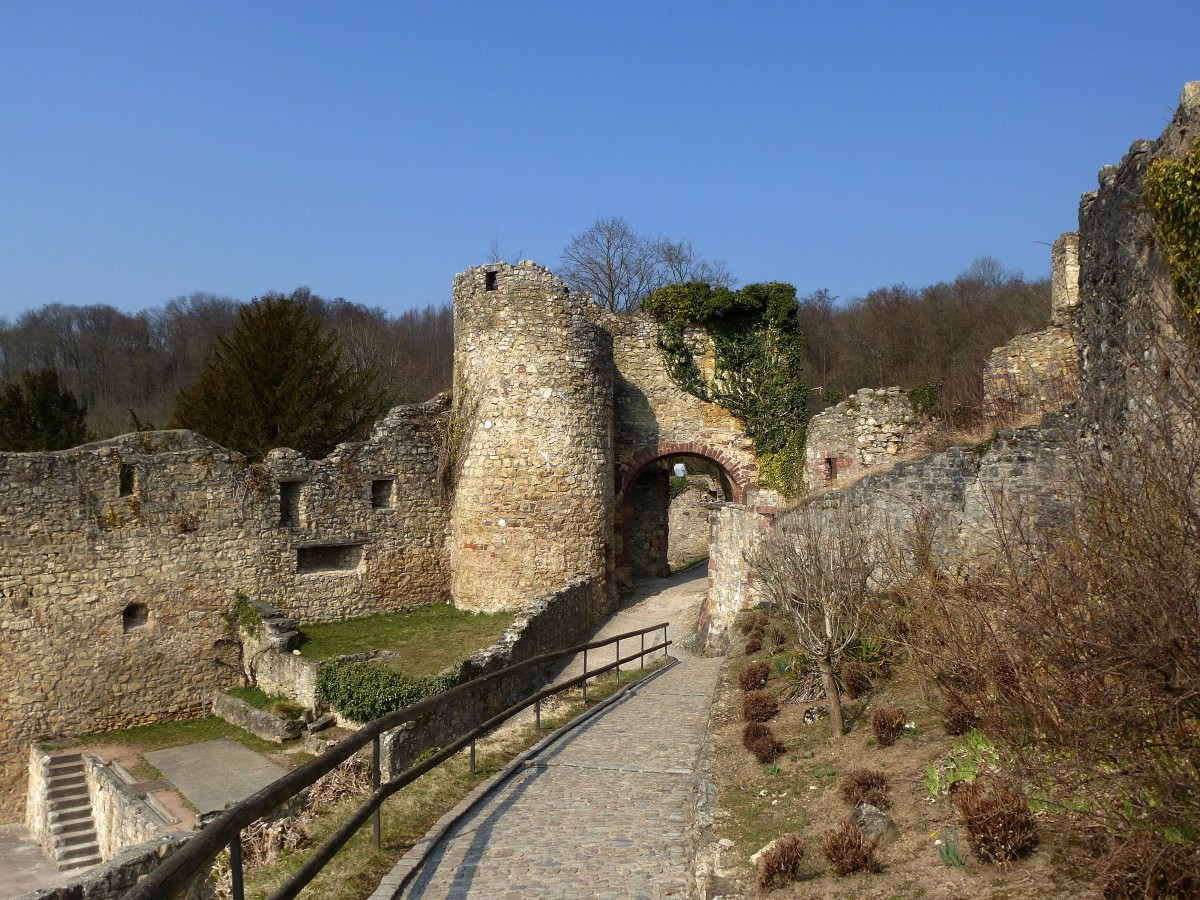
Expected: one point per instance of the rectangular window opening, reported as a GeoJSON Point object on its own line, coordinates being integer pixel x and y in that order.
{"type": "Point", "coordinates": [128, 480]}
{"type": "Point", "coordinates": [489, 281]}
{"type": "Point", "coordinates": [831, 467]}
{"type": "Point", "coordinates": [382, 493]}
{"type": "Point", "coordinates": [290, 505]}
{"type": "Point", "coordinates": [328, 558]}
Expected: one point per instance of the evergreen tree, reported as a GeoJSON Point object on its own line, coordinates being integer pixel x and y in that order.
{"type": "Point", "coordinates": [278, 380]}
{"type": "Point", "coordinates": [39, 414]}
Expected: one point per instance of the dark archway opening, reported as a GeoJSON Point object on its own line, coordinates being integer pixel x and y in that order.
{"type": "Point", "coordinates": [663, 515]}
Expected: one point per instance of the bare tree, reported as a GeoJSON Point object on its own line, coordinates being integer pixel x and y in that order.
{"type": "Point", "coordinates": [680, 263]}
{"type": "Point", "coordinates": [618, 267]}
{"type": "Point", "coordinates": [815, 564]}
{"type": "Point", "coordinates": [621, 268]}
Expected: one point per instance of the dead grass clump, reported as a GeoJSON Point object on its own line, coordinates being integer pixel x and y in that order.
{"type": "Point", "coordinates": [958, 714]}
{"type": "Point", "coordinates": [1143, 866]}
{"type": "Point", "coordinates": [777, 866]}
{"type": "Point", "coordinates": [856, 678]}
{"type": "Point", "coordinates": [998, 820]}
{"type": "Point", "coordinates": [887, 722]}
{"type": "Point", "coordinates": [865, 786]}
{"type": "Point", "coordinates": [753, 644]}
{"type": "Point", "coordinates": [760, 740]}
{"type": "Point", "coordinates": [759, 706]}
{"type": "Point", "coordinates": [848, 850]}
{"type": "Point", "coordinates": [755, 621]}
{"type": "Point", "coordinates": [754, 675]}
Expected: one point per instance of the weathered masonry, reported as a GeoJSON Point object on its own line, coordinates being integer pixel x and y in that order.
{"type": "Point", "coordinates": [122, 559]}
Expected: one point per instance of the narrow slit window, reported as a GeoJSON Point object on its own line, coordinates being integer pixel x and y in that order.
{"type": "Point", "coordinates": [489, 281]}
{"type": "Point", "coordinates": [831, 467]}
{"type": "Point", "coordinates": [382, 493]}
{"type": "Point", "coordinates": [128, 482]}
{"type": "Point", "coordinates": [289, 503]}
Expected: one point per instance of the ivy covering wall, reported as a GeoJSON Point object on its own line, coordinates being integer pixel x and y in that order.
{"type": "Point", "coordinates": [758, 353]}
{"type": "Point", "coordinates": [1173, 194]}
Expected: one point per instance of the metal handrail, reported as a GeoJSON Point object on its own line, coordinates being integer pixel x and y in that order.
{"type": "Point", "coordinates": [175, 874]}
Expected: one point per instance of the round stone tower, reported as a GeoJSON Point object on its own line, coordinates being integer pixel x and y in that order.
{"type": "Point", "coordinates": [533, 422]}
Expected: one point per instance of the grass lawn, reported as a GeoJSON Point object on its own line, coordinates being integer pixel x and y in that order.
{"type": "Point", "coordinates": [430, 638]}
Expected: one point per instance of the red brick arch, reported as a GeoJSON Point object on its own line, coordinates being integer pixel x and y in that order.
{"type": "Point", "coordinates": [740, 479]}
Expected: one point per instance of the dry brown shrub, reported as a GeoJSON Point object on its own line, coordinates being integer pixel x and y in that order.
{"type": "Point", "coordinates": [887, 722]}
{"type": "Point", "coordinates": [765, 746]}
{"type": "Point", "coordinates": [998, 820]}
{"type": "Point", "coordinates": [1143, 867]}
{"type": "Point", "coordinates": [777, 866]}
{"type": "Point", "coordinates": [752, 731]}
{"type": "Point", "coordinates": [759, 706]}
{"type": "Point", "coordinates": [753, 644]}
{"type": "Point", "coordinates": [848, 850]}
{"type": "Point", "coordinates": [754, 621]}
{"type": "Point", "coordinates": [856, 678]}
{"type": "Point", "coordinates": [754, 675]}
{"type": "Point", "coordinates": [865, 786]}
{"type": "Point", "coordinates": [958, 714]}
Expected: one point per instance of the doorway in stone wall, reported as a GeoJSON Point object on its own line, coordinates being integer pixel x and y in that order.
{"type": "Point", "coordinates": [663, 515]}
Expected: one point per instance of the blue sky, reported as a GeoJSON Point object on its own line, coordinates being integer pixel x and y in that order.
{"type": "Point", "coordinates": [373, 150]}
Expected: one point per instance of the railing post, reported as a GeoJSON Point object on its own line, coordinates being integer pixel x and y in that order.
{"type": "Point", "coordinates": [474, 725]}
{"type": "Point", "coordinates": [664, 650]}
{"type": "Point", "coordinates": [585, 675]}
{"type": "Point", "coordinates": [235, 867]}
{"type": "Point", "coordinates": [642, 658]}
{"type": "Point", "coordinates": [537, 716]}
{"type": "Point", "coordinates": [618, 660]}
{"type": "Point", "coordinates": [374, 787]}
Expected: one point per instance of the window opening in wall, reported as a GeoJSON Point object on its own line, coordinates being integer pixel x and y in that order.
{"type": "Point", "coordinates": [489, 281]}
{"type": "Point", "coordinates": [830, 467]}
{"type": "Point", "coordinates": [382, 491]}
{"type": "Point", "coordinates": [328, 558]}
{"type": "Point", "coordinates": [289, 503]}
{"type": "Point", "coordinates": [128, 479]}
{"type": "Point", "coordinates": [136, 615]}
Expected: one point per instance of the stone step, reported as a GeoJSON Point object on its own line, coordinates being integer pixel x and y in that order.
{"type": "Point", "coordinates": [61, 793]}
{"type": "Point", "coordinates": [60, 815]}
{"type": "Point", "coordinates": [83, 823]}
{"type": "Point", "coordinates": [66, 767]}
{"type": "Point", "coordinates": [64, 777]}
{"type": "Point", "coordinates": [81, 855]}
{"type": "Point", "coordinates": [75, 839]}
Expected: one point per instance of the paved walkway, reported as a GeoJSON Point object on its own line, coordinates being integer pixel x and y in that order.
{"type": "Point", "coordinates": [606, 811]}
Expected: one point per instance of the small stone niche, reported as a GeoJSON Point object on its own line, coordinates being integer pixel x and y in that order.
{"type": "Point", "coordinates": [128, 480]}
{"type": "Point", "coordinates": [316, 558]}
{"type": "Point", "coordinates": [291, 505]}
{"type": "Point", "coordinates": [383, 493]}
{"type": "Point", "coordinates": [135, 617]}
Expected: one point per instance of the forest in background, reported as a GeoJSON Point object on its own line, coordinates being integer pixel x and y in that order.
{"type": "Point", "coordinates": [127, 369]}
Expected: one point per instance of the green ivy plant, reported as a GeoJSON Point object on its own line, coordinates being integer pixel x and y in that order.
{"type": "Point", "coordinates": [363, 692]}
{"type": "Point", "coordinates": [1172, 192]}
{"type": "Point", "coordinates": [758, 350]}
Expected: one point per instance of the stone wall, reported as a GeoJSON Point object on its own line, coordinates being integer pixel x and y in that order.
{"type": "Point", "coordinates": [647, 501]}
{"type": "Point", "coordinates": [1135, 351]}
{"type": "Point", "coordinates": [121, 818]}
{"type": "Point", "coordinates": [1037, 373]}
{"type": "Point", "coordinates": [120, 559]}
{"type": "Point", "coordinates": [37, 807]}
{"type": "Point", "coordinates": [956, 498]}
{"type": "Point", "coordinates": [867, 430]}
{"type": "Point", "coordinates": [551, 622]}
{"type": "Point", "coordinates": [116, 877]}
{"type": "Point", "coordinates": [533, 391]}
{"type": "Point", "coordinates": [688, 520]}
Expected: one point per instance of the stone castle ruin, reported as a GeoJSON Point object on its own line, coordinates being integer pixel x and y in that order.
{"type": "Point", "coordinates": [548, 464]}
{"type": "Point", "coordinates": [123, 558]}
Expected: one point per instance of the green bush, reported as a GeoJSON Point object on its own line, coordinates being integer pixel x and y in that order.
{"type": "Point", "coordinates": [362, 691]}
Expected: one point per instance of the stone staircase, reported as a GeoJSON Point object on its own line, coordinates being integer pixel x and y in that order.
{"type": "Point", "coordinates": [70, 814]}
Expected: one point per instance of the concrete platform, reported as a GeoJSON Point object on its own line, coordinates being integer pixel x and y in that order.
{"type": "Point", "coordinates": [23, 865]}
{"type": "Point", "coordinates": [214, 774]}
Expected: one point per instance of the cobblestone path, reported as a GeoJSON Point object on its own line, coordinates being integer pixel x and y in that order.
{"type": "Point", "coordinates": [607, 811]}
